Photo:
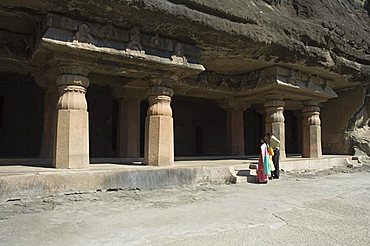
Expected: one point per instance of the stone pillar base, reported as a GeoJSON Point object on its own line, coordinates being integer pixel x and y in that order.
{"type": "Point", "coordinates": [72, 139]}
{"type": "Point", "coordinates": [160, 149]}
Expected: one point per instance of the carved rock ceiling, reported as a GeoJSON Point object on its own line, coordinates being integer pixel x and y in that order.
{"type": "Point", "coordinates": [327, 38]}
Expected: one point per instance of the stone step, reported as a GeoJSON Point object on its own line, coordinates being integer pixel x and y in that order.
{"type": "Point", "coordinates": [354, 162]}
{"type": "Point", "coordinates": [245, 175]}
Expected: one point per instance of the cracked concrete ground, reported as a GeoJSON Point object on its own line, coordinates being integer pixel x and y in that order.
{"type": "Point", "coordinates": [329, 207]}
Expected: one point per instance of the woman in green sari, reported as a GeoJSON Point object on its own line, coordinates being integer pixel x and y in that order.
{"type": "Point", "coordinates": [263, 169]}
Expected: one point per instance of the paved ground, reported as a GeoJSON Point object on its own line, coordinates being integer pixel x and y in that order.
{"type": "Point", "coordinates": [325, 208]}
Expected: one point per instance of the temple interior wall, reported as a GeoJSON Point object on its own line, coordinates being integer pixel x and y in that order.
{"type": "Point", "coordinates": [103, 112]}
{"type": "Point", "coordinates": [200, 127]}
{"type": "Point", "coordinates": [253, 131]}
{"type": "Point", "coordinates": [292, 129]}
{"type": "Point", "coordinates": [21, 120]}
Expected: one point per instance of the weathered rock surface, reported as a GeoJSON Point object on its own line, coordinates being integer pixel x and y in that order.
{"type": "Point", "coordinates": [359, 127]}
{"type": "Point", "coordinates": [345, 123]}
{"type": "Point", "coordinates": [240, 35]}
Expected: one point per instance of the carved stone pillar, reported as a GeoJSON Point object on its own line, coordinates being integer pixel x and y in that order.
{"type": "Point", "coordinates": [159, 141]}
{"type": "Point", "coordinates": [72, 131]}
{"type": "Point", "coordinates": [49, 126]}
{"type": "Point", "coordinates": [128, 138]}
{"type": "Point", "coordinates": [235, 129]}
{"type": "Point", "coordinates": [311, 146]}
{"type": "Point", "coordinates": [274, 121]}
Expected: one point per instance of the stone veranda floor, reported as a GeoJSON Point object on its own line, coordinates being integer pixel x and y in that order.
{"type": "Point", "coordinates": [329, 207]}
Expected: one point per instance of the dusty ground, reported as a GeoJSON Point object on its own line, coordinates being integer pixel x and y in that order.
{"type": "Point", "coordinates": [329, 207]}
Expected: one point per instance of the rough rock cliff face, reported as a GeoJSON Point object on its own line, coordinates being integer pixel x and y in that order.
{"type": "Point", "coordinates": [330, 34]}
{"type": "Point", "coordinates": [328, 37]}
{"type": "Point", "coordinates": [359, 127]}
{"type": "Point", "coordinates": [345, 123]}
{"type": "Point", "coordinates": [239, 35]}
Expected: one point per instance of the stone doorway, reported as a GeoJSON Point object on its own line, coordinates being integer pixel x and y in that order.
{"type": "Point", "coordinates": [103, 115]}
{"type": "Point", "coordinates": [199, 127]}
{"type": "Point", "coordinates": [21, 111]}
{"type": "Point", "coordinates": [253, 131]}
{"type": "Point", "coordinates": [293, 131]}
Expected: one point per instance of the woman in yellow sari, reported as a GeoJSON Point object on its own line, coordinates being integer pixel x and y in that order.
{"type": "Point", "coordinates": [270, 151]}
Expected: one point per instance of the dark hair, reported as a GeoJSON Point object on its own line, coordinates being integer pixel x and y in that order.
{"type": "Point", "coordinates": [269, 134]}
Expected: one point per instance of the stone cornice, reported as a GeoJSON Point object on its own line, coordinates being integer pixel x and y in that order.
{"type": "Point", "coordinates": [129, 41]}
{"type": "Point", "coordinates": [266, 81]}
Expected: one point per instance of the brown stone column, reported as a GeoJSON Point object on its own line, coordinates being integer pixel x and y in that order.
{"type": "Point", "coordinates": [128, 139]}
{"type": "Point", "coordinates": [274, 121]}
{"type": "Point", "coordinates": [311, 146]}
{"type": "Point", "coordinates": [72, 131]}
{"type": "Point", "coordinates": [159, 141]}
{"type": "Point", "coordinates": [235, 130]}
{"type": "Point", "coordinates": [50, 111]}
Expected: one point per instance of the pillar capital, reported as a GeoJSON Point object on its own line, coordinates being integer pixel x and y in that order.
{"type": "Point", "coordinates": [74, 68]}
{"type": "Point", "coordinates": [72, 83]}
{"type": "Point", "coordinates": [274, 102]}
{"type": "Point", "coordinates": [164, 80]}
{"type": "Point", "coordinates": [311, 116]}
{"type": "Point", "coordinates": [274, 111]}
{"type": "Point", "coordinates": [311, 107]}
{"type": "Point", "coordinates": [73, 75]}
{"type": "Point", "coordinates": [159, 90]}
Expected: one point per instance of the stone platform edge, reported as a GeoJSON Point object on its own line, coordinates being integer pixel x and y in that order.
{"type": "Point", "coordinates": [314, 164]}
{"type": "Point", "coordinates": [44, 183]}
{"type": "Point", "coordinates": [25, 185]}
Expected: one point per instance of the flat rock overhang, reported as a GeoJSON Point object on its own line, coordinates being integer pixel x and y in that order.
{"type": "Point", "coordinates": [256, 86]}
{"type": "Point", "coordinates": [113, 62]}
{"type": "Point", "coordinates": [259, 95]}
{"type": "Point", "coordinates": [285, 92]}
{"type": "Point", "coordinates": [113, 51]}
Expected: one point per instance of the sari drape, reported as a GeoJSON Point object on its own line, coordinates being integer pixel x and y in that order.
{"type": "Point", "coordinates": [263, 170]}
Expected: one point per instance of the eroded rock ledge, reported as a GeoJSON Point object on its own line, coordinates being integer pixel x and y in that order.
{"type": "Point", "coordinates": [240, 35]}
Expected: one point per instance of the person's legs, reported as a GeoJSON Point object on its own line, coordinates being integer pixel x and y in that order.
{"type": "Point", "coordinates": [276, 160]}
